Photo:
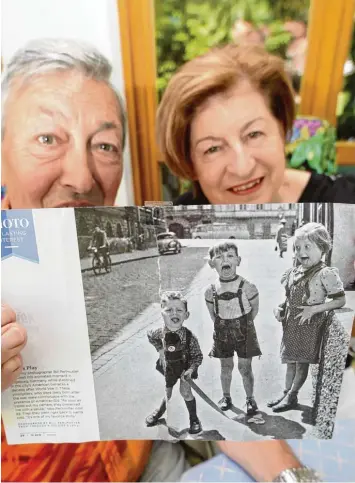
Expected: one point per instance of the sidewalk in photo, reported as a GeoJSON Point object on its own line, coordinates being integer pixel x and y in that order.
{"type": "Point", "coordinates": [86, 263]}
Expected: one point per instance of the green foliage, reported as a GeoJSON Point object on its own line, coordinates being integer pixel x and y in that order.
{"type": "Point", "coordinates": [278, 40]}
{"type": "Point", "coordinates": [290, 9]}
{"type": "Point", "coordinates": [188, 28]}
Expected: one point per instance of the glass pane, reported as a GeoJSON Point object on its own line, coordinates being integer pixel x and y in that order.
{"type": "Point", "coordinates": [346, 98]}
{"type": "Point", "coordinates": [188, 28]}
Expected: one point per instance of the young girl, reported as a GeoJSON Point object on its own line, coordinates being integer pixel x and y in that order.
{"type": "Point", "coordinates": [312, 289]}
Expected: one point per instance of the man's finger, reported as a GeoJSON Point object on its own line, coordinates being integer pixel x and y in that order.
{"type": "Point", "coordinates": [10, 371]}
{"type": "Point", "coordinates": [13, 340]}
{"type": "Point", "coordinates": [7, 315]}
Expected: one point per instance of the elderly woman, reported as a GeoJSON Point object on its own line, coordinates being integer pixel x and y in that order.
{"type": "Point", "coordinates": [223, 123]}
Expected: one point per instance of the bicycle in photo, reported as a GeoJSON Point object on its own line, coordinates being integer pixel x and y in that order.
{"type": "Point", "coordinates": [101, 262]}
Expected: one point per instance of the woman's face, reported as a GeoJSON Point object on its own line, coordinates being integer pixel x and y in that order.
{"type": "Point", "coordinates": [237, 148]}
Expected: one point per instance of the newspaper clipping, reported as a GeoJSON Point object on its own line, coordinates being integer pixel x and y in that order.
{"type": "Point", "coordinates": [179, 322]}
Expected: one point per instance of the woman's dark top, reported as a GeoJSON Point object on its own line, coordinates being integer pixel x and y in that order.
{"type": "Point", "coordinates": [320, 188]}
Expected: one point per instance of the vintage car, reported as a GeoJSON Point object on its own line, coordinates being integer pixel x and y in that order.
{"type": "Point", "coordinates": [168, 243]}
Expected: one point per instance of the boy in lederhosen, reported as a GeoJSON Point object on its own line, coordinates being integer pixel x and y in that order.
{"type": "Point", "coordinates": [180, 356]}
{"type": "Point", "coordinates": [233, 304]}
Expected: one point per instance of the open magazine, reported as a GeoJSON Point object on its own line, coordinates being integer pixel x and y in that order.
{"type": "Point", "coordinates": [178, 322]}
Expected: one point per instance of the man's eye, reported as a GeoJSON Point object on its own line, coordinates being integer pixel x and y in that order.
{"type": "Point", "coordinates": [47, 139]}
{"type": "Point", "coordinates": [212, 150]}
{"type": "Point", "coordinates": [107, 147]}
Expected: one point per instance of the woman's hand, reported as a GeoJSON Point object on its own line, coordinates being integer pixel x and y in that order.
{"type": "Point", "coordinates": [263, 460]}
{"type": "Point", "coordinates": [277, 314]}
{"type": "Point", "coordinates": [13, 340]}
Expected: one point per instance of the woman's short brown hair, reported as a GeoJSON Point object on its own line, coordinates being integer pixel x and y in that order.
{"type": "Point", "coordinates": [212, 73]}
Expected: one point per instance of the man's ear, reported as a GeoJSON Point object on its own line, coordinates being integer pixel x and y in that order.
{"type": "Point", "coordinates": [239, 261]}
{"type": "Point", "coordinates": [211, 263]}
{"type": "Point", "coordinates": [187, 315]}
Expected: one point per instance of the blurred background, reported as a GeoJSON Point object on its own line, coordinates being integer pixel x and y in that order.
{"type": "Point", "coordinates": [148, 40]}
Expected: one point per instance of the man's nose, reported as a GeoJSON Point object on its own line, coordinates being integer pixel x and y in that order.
{"type": "Point", "coordinates": [241, 162]}
{"type": "Point", "coordinates": [77, 169]}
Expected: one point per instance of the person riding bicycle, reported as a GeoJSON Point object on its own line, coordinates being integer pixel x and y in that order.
{"type": "Point", "coordinates": [100, 242]}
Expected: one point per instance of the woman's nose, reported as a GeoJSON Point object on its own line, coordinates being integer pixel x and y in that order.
{"type": "Point", "coordinates": [241, 162]}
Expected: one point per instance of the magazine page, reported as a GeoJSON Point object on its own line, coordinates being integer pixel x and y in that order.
{"type": "Point", "coordinates": [196, 322]}
{"type": "Point", "coordinates": [54, 398]}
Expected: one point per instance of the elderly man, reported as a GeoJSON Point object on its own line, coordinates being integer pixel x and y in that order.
{"type": "Point", "coordinates": [63, 138]}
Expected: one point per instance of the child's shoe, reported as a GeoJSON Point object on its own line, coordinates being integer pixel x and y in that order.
{"type": "Point", "coordinates": [225, 403]}
{"type": "Point", "coordinates": [289, 402]}
{"type": "Point", "coordinates": [276, 401]}
{"type": "Point", "coordinates": [252, 407]}
{"type": "Point", "coordinates": [195, 426]}
{"type": "Point", "coordinates": [153, 418]}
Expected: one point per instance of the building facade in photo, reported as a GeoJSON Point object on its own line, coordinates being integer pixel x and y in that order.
{"type": "Point", "coordinates": [258, 221]}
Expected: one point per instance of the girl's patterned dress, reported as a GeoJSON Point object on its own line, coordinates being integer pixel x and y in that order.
{"type": "Point", "coordinates": [302, 343]}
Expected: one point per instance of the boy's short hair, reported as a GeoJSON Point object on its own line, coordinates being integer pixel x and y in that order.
{"type": "Point", "coordinates": [316, 233]}
{"type": "Point", "coordinates": [172, 295]}
{"type": "Point", "coordinates": [222, 247]}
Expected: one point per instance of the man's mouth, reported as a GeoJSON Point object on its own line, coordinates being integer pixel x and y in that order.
{"type": "Point", "coordinates": [74, 204]}
{"type": "Point", "coordinates": [304, 259]}
{"type": "Point", "coordinates": [176, 320]}
{"type": "Point", "coordinates": [247, 188]}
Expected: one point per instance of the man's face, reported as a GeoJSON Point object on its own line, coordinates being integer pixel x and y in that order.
{"type": "Point", "coordinates": [62, 143]}
{"type": "Point", "coordinates": [174, 314]}
{"type": "Point", "coordinates": [226, 263]}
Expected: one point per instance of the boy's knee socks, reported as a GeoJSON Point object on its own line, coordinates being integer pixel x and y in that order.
{"type": "Point", "coordinates": [191, 407]}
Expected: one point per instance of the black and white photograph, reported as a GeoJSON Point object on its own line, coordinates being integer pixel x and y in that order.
{"type": "Point", "coordinates": [218, 322]}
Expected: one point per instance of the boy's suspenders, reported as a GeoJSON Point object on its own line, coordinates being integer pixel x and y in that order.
{"type": "Point", "coordinates": [215, 300]}
{"type": "Point", "coordinates": [239, 295]}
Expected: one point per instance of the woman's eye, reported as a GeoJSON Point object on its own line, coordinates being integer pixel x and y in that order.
{"type": "Point", "coordinates": [47, 139]}
{"type": "Point", "coordinates": [212, 150]}
{"type": "Point", "coordinates": [255, 135]}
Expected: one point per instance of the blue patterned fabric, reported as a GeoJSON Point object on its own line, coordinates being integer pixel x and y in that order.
{"type": "Point", "coordinates": [333, 459]}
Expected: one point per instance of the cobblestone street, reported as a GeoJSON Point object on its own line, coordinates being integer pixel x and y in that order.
{"type": "Point", "coordinates": [114, 299]}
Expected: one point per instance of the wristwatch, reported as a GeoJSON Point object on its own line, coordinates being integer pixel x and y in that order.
{"type": "Point", "coordinates": [297, 474]}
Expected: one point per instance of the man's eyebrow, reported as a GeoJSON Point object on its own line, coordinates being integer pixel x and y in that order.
{"type": "Point", "coordinates": [106, 126]}
{"type": "Point", "coordinates": [50, 112]}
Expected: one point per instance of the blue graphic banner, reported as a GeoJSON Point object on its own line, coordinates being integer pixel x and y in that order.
{"type": "Point", "coordinates": [18, 237]}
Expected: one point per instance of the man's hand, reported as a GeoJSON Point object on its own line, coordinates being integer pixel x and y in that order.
{"type": "Point", "coordinates": [187, 375]}
{"type": "Point", "coordinates": [263, 460]}
{"type": "Point", "coordinates": [13, 340]}
{"type": "Point", "coordinates": [306, 314]}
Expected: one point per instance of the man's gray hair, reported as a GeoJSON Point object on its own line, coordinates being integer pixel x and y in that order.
{"type": "Point", "coordinates": [43, 56]}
